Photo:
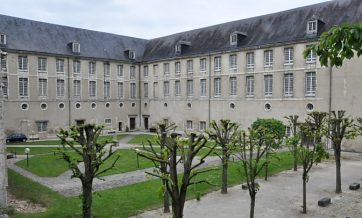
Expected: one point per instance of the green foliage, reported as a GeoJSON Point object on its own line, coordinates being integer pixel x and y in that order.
{"type": "Point", "coordinates": [339, 43]}
{"type": "Point", "coordinates": [273, 130]}
{"type": "Point", "coordinates": [310, 156]}
{"type": "Point", "coordinates": [315, 126]}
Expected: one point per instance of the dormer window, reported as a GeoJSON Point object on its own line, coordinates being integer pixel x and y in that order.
{"type": "Point", "coordinates": [236, 37]}
{"type": "Point", "coordinates": [178, 49]}
{"type": "Point", "coordinates": [75, 47]}
{"type": "Point", "coordinates": [312, 27]}
{"type": "Point", "coordinates": [180, 46]}
{"type": "Point", "coordinates": [2, 39]}
{"type": "Point", "coordinates": [132, 55]}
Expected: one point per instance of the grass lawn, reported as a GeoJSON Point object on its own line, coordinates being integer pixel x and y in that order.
{"type": "Point", "coordinates": [57, 142]}
{"type": "Point", "coordinates": [51, 165]}
{"type": "Point", "coordinates": [123, 201]}
{"type": "Point", "coordinates": [33, 151]}
{"type": "Point", "coordinates": [143, 138]}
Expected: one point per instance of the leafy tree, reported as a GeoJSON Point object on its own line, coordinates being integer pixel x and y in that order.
{"type": "Point", "coordinates": [224, 132]}
{"type": "Point", "coordinates": [342, 127]}
{"type": "Point", "coordinates": [316, 126]}
{"type": "Point", "coordinates": [253, 147]}
{"type": "Point", "coordinates": [274, 133]}
{"type": "Point", "coordinates": [92, 153]}
{"type": "Point", "coordinates": [295, 138]}
{"type": "Point", "coordinates": [179, 151]}
{"type": "Point", "coordinates": [339, 43]}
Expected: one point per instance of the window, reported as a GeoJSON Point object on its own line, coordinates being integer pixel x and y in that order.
{"type": "Point", "coordinates": [42, 87]}
{"type": "Point", "coordinates": [120, 70]}
{"type": "Point", "coordinates": [59, 65]}
{"type": "Point", "coordinates": [107, 89]}
{"type": "Point", "coordinates": [3, 39]}
{"type": "Point", "coordinates": [202, 125]}
{"type": "Point", "coordinates": [288, 84]}
{"type": "Point", "coordinates": [190, 88]}
{"type": "Point", "coordinates": [217, 63]}
{"type": "Point", "coordinates": [288, 131]}
{"type": "Point", "coordinates": [145, 90]}
{"type": "Point", "coordinates": [108, 121]}
{"type": "Point", "coordinates": [203, 65]}
{"type": "Point", "coordinates": [77, 88]}
{"type": "Point", "coordinates": [189, 124]}
{"type": "Point", "coordinates": [92, 89]}
{"type": "Point", "coordinates": [107, 71]}
{"type": "Point", "coordinates": [268, 85]}
{"type": "Point", "coordinates": [203, 87]}
{"type": "Point", "coordinates": [233, 86]}
{"type": "Point", "coordinates": [268, 58]}
{"type": "Point", "coordinates": [310, 83]}
{"type": "Point", "coordinates": [217, 87]}
{"type": "Point", "coordinates": [177, 67]}
{"type": "Point", "coordinates": [145, 71]}
{"type": "Point", "coordinates": [133, 90]}
{"type": "Point", "coordinates": [132, 55]}
{"type": "Point", "coordinates": [42, 126]}
{"type": "Point", "coordinates": [23, 87]}
{"type": "Point", "coordinates": [312, 27]}
{"type": "Point", "coordinates": [120, 89]}
{"type": "Point", "coordinates": [288, 55]}
{"type": "Point", "coordinates": [312, 57]}
{"type": "Point", "coordinates": [76, 47]}
{"type": "Point", "coordinates": [155, 70]}
{"type": "Point", "coordinates": [3, 63]}
{"type": "Point", "coordinates": [250, 62]}
{"type": "Point", "coordinates": [92, 68]}
{"type": "Point", "coordinates": [155, 89]}
{"type": "Point", "coordinates": [76, 66]}
{"type": "Point", "coordinates": [233, 61]}
{"type": "Point", "coordinates": [60, 87]}
{"type": "Point", "coordinates": [234, 39]}
{"type": "Point", "coordinates": [166, 68]}
{"type": "Point", "coordinates": [42, 64]}
{"type": "Point", "coordinates": [178, 48]}
{"type": "Point", "coordinates": [250, 86]}
{"type": "Point", "coordinates": [189, 66]}
{"type": "Point", "coordinates": [5, 88]}
{"type": "Point", "coordinates": [23, 63]}
{"type": "Point", "coordinates": [177, 88]}
{"type": "Point", "coordinates": [166, 88]}
{"type": "Point", "coordinates": [132, 72]}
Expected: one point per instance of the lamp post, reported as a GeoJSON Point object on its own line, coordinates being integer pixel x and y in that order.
{"type": "Point", "coordinates": [27, 151]}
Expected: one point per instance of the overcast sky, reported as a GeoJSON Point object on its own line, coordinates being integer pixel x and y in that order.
{"type": "Point", "coordinates": [144, 18]}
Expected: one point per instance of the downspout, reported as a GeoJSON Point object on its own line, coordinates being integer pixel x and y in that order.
{"type": "Point", "coordinates": [139, 94]}
{"type": "Point", "coordinates": [209, 97]}
{"type": "Point", "coordinates": [330, 103]}
{"type": "Point", "coordinates": [69, 107]}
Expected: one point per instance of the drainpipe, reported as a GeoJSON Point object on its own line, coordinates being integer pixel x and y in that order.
{"type": "Point", "coordinates": [139, 94]}
{"type": "Point", "coordinates": [330, 103]}
{"type": "Point", "coordinates": [3, 168]}
{"type": "Point", "coordinates": [209, 98]}
{"type": "Point", "coordinates": [69, 106]}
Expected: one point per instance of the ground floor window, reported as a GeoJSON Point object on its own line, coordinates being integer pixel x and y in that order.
{"type": "Point", "coordinates": [189, 124]}
{"type": "Point", "coordinates": [42, 126]}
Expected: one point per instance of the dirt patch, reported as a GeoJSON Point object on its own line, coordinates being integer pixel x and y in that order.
{"type": "Point", "coordinates": [23, 206]}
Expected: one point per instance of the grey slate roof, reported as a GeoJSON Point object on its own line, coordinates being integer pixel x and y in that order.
{"type": "Point", "coordinates": [34, 36]}
{"type": "Point", "coordinates": [286, 26]}
{"type": "Point", "coordinates": [282, 27]}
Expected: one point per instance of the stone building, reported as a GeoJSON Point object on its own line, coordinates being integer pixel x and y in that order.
{"type": "Point", "coordinates": [55, 75]}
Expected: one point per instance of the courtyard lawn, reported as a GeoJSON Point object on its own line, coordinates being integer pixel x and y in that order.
{"type": "Point", "coordinates": [57, 141]}
{"type": "Point", "coordinates": [123, 201]}
{"type": "Point", "coordinates": [33, 150]}
{"type": "Point", "coordinates": [52, 165]}
{"type": "Point", "coordinates": [143, 138]}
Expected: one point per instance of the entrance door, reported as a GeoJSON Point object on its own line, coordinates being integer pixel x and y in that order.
{"type": "Point", "coordinates": [120, 124]}
{"type": "Point", "coordinates": [145, 121]}
{"type": "Point", "coordinates": [132, 123]}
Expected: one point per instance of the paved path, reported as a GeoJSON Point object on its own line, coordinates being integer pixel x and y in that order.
{"type": "Point", "coordinates": [72, 187]}
{"type": "Point", "coordinates": [281, 196]}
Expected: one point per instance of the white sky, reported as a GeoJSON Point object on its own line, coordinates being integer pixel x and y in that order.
{"type": "Point", "coordinates": [144, 18]}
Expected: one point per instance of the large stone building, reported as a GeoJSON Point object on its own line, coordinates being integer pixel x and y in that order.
{"type": "Point", "coordinates": [54, 76]}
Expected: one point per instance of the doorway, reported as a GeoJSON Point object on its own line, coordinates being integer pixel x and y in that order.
{"type": "Point", "coordinates": [145, 121]}
{"type": "Point", "coordinates": [80, 122]}
{"type": "Point", "coordinates": [132, 123]}
{"type": "Point", "coordinates": [120, 125]}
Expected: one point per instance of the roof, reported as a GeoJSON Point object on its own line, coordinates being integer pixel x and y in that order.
{"type": "Point", "coordinates": [34, 36]}
{"type": "Point", "coordinates": [281, 27]}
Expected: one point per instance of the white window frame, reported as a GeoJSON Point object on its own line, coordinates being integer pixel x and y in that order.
{"type": "Point", "coordinates": [59, 65]}
{"type": "Point", "coordinates": [178, 48]}
{"type": "Point", "coordinates": [132, 72]}
{"type": "Point", "coordinates": [217, 87]}
{"type": "Point", "coordinates": [92, 89]}
{"type": "Point", "coordinates": [310, 83]}
{"type": "Point", "coordinates": [217, 63]}
{"type": "Point", "coordinates": [190, 88]}
{"type": "Point", "coordinates": [92, 68]}
{"type": "Point", "coordinates": [145, 71]}
{"type": "Point", "coordinates": [268, 58]}
{"type": "Point", "coordinates": [202, 125]}
{"type": "Point", "coordinates": [60, 89]}
{"type": "Point", "coordinates": [250, 86]}
{"type": "Point", "coordinates": [288, 84]}
{"type": "Point", "coordinates": [145, 90]}
{"type": "Point", "coordinates": [288, 56]}
{"type": "Point", "coordinates": [120, 70]}
{"type": "Point", "coordinates": [107, 69]}
{"type": "Point", "coordinates": [2, 39]}
{"type": "Point", "coordinates": [203, 88]}
{"type": "Point", "coordinates": [312, 27]}
{"type": "Point", "coordinates": [76, 66]}
{"type": "Point", "coordinates": [108, 121]}
{"type": "Point", "coordinates": [166, 88]}
{"type": "Point", "coordinates": [23, 87]}
{"type": "Point", "coordinates": [76, 47]}
{"type": "Point", "coordinates": [120, 93]}
{"type": "Point", "coordinates": [23, 63]}
{"type": "Point", "coordinates": [42, 87]}
{"type": "Point", "coordinates": [189, 125]}
{"type": "Point", "coordinates": [190, 66]}
{"type": "Point", "coordinates": [77, 88]}
{"type": "Point", "coordinates": [202, 65]}
{"type": "Point", "coordinates": [155, 90]}
{"type": "Point", "coordinates": [107, 89]}
{"type": "Point", "coordinates": [155, 70]}
{"type": "Point", "coordinates": [233, 86]}
{"type": "Point", "coordinates": [41, 126]}
{"type": "Point", "coordinates": [234, 39]}
{"type": "Point", "coordinates": [177, 88]}
{"type": "Point", "coordinates": [42, 65]}
{"type": "Point", "coordinates": [312, 57]}
{"type": "Point", "coordinates": [133, 90]}
{"type": "Point", "coordinates": [233, 61]}
{"type": "Point", "coordinates": [268, 85]}
{"type": "Point", "coordinates": [177, 67]}
{"type": "Point", "coordinates": [250, 61]}
{"type": "Point", "coordinates": [166, 68]}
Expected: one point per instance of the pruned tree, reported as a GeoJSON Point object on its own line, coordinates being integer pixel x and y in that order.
{"type": "Point", "coordinates": [224, 133]}
{"type": "Point", "coordinates": [253, 148]}
{"type": "Point", "coordinates": [314, 130]}
{"type": "Point", "coordinates": [274, 134]}
{"type": "Point", "coordinates": [294, 140]}
{"type": "Point", "coordinates": [342, 127]}
{"type": "Point", "coordinates": [92, 153]}
{"type": "Point", "coordinates": [179, 152]}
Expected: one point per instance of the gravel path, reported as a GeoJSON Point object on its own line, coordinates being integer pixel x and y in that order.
{"type": "Point", "coordinates": [281, 196]}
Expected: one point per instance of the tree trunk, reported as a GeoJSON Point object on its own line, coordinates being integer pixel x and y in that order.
{"type": "Point", "coordinates": [166, 202]}
{"type": "Point", "coordinates": [295, 157]}
{"type": "Point", "coordinates": [304, 194]}
{"type": "Point", "coordinates": [224, 182]}
{"type": "Point", "coordinates": [337, 154]}
{"type": "Point", "coordinates": [252, 206]}
{"type": "Point", "coordinates": [266, 166]}
{"type": "Point", "coordinates": [87, 199]}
